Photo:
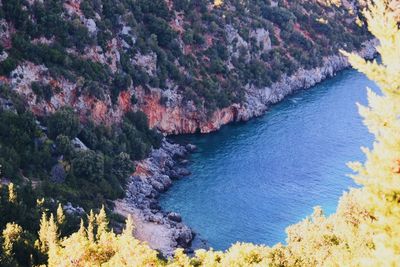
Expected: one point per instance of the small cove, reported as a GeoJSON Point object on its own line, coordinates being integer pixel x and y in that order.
{"type": "Point", "coordinates": [251, 180]}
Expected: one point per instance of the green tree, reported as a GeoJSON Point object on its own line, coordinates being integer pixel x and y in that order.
{"type": "Point", "coordinates": [63, 121]}
{"type": "Point", "coordinates": [122, 167]}
{"type": "Point", "coordinates": [88, 165]}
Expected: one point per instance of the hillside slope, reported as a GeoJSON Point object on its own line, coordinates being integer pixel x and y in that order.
{"type": "Point", "coordinates": [189, 65]}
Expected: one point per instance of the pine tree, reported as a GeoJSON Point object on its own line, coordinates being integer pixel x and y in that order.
{"type": "Point", "coordinates": [90, 228]}
{"type": "Point", "coordinates": [12, 194]}
{"type": "Point", "coordinates": [101, 222]}
{"type": "Point", "coordinates": [11, 234]}
{"type": "Point", "coordinates": [60, 215]}
{"type": "Point", "coordinates": [41, 243]}
{"type": "Point", "coordinates": [380, 174]}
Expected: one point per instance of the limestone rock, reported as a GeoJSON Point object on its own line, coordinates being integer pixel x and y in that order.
{"type": "Point", "coordinates": [153, 176]}
{"type": "Point", "coordinates": [69, 209]}
{"type": "Point", "coordinates": [173, 216]}
{"type": "Point", "coordinates": [175, 118]}
{"type": "Point", "coordinates": [58, 173]}
{"type": "Point", "coordinates": [262, 38]}
{"type": "Point", "coordinates": [78, 144]}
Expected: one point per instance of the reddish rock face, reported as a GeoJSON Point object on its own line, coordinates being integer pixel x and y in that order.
{"type": "Point", "coordinates": [142, 170]}
{"type": "Point", "coordinates": [99, 111]}
{"type": "Point", "coordinates": [171, 116]}
{"type": "Point", "coordinates": [73, 6]}
{"type": "Point", "coordinates": [220, 118]}
{"type": "Point", "coordinates": [152, 108]}
{"type": "Point", "coordinates": [124, 101]}
{"type": "Point", "coordinates": [179, 119]}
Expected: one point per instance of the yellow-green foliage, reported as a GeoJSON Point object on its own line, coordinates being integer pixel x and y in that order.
{"type": "Point", "coordinates": [94, 245]}
{"type": "Point", "coordinates": [365, 230]}
{"type": "Point", "coordinates": [218, 3]}
{"type": "Point", "coordinates": [12, 195]}
{"type": "Point", "coordinates": [380, 174]}
{"type": "Point", "coordinates": [11, 235]}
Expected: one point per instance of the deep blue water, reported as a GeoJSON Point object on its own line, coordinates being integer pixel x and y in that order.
{"type": "Point", "coordinates": [252, 180]}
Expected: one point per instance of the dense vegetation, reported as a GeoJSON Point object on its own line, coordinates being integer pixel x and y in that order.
{"type": "Point", "coordinates": [195, 55]}
{"type": "Point", "coordinates": [42, 163]}
{"type": "Point", "coordinates": [47, 154]}
{"type": "Point", "coordinates": [363, 231]}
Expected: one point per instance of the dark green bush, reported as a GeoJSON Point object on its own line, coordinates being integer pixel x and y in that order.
{"type": "Point", "coordinates": [64, 122]}
{"type": "Point", "coordinates": [42, 91]}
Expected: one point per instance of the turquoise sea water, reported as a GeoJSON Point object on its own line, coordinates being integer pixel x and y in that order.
{"type": "Point", "coordinates": [251, 180]}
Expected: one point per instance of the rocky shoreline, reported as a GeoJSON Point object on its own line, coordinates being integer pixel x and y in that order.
{"type": "Point", "coordinates": [165, 231]}
{"type": "Point", "coordinates": [152, 177]}
{"type": "Point", "coordinates": [258, 100]}
{"type": "Point", "coordinates": [175, 118]}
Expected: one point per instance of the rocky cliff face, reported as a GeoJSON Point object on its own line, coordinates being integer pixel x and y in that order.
{"type": "Point", "coordinates": [155, 174]}
{"type": "Point", "coordinates": [65, 93]}
{"type": "Point", "coordinates": [174, 118]}
{"type": "Point", "coordinates": [190, 66]}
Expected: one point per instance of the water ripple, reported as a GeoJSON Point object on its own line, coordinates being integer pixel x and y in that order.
{"type": "Point", "coordinates": [251, 180]}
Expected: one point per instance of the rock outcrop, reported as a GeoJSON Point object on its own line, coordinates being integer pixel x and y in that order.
{"type": "Point", "coordinates": [153, 176]}
{"type": "Point", "coordinates": [165, 67]}
{"type": "Point", "coordinates": [175, 118]}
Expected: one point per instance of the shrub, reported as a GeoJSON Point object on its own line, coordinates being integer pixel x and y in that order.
{"type": "Point", "coordinates": [7, 66]}
{"type": "Point", "coordinates": [88, 165]}
{"type": "Point", "coordinates": [42, 91]}
{"type": "Point", "coordinates": [63, 121]}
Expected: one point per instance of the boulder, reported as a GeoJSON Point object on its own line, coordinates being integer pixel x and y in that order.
{"type": "Point", "coordinates": [58, 173]}
{"type": "Point", "coordinates": [173, 216]}
{"type": "Point", "coordinates": [155, 206]}
{"type": "Point", "coordinates": [165, 180]}
{"type": "Point", "coordinates": [157, 186]}
{"type": "Point", "coordinates": [156, 218]}
{"type": "Point", "coordinates": [78, 144]}
{"type": "Point", "coordinates": [146, 190]}
{"type": "Point", "coordinates": [183, 236]}
{"type": "Point", "coordinates": [71, 210]}
{"type": "Point", "coordinates": [174, 174]}
{"type": "Point", "coordinates": [191, 147]}
{"type": "Point", "coordinates": [184, 162]}
{"type": "Point", "coordinates": [182, 172]}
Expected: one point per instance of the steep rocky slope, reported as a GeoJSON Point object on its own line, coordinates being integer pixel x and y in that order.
{"type": "Point", "coordinates": [155, 174]}
{"type": "Point", "coordinates": [189, 65]}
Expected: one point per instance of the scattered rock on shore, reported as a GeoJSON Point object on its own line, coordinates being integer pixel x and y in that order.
{"type": "Point", "coordinates": [153, 176]}
{"type": "Point", "coordinates": [173, 216]}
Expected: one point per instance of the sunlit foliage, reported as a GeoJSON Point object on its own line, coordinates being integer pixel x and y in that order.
{"type": "Point", "coordinates": [380, 174]}
{"type": "Point", "coordinates": [218, 3]}
{"type": "Point", "coordinates": [94, 245]}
